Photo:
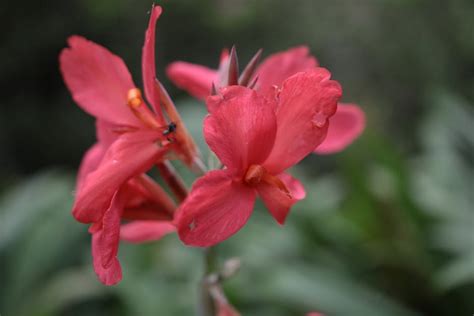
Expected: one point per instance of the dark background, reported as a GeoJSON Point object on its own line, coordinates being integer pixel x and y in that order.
{"type": "Point", "coordinates": [387, 225]}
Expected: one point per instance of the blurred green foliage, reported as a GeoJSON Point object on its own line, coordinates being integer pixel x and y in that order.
{"type": "Point", "coordinates": [386, 228]}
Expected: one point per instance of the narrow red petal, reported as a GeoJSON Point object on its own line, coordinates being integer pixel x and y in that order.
{"type": "Point", "coordinates": [105, 132]}
{"type": "Point", "coordinates": [295, 187]}
{"type": "Point", "coordinates": [280, 201]}
{"type": "Point", "coordinates": [98, 81]}
{"type": "Point", "coordinates": [195, 79]}
{"type": "Point", "coordinates": [278, 67]}
{"type": "Point", "coordinates": [109, 239]}
{"type": "Point", "coordinates": [130, 155]}
{"type": "Point", "coordinates": [148, 63]}
{"type": "Point", "coordinates": [242, 129]}
{"type": "Point", "coordinates": [344, 127]}
{"type": "Point", "coordinates": [89, 163]}
{"type": "Point", "coordinates": [216, 208]}
{"type": "Point", "coordinates": [143, 231]}
{"type": "Point", "coordinates": [306, 101]}
{"type": "Point", "coordinates": [113, 273]}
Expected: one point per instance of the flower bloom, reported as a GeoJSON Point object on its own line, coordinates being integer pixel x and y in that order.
{"type": "Point", "coordinates": [131, 138]}
{"type": "Point", "coordinates": [346, 125]}
{"type": "Point", "coordinates": [257, 138]}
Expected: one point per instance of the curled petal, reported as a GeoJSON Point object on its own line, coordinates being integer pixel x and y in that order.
{"type": "Point", "coordinates": [306, 101]}
{"type": "Point", "coordinates": [295, 187]}
{"type": "Point", "coordinates": [131, 154]}
{"type": "Point", "coordinates": [280, 66]}
{"type": "Point", "coordinates": [148, 63]}
{"type": "Point", "coordinates": [113, 273]}
{"type": "Point", "coordinates": [98, 81]}
{"type": "Point", "coordinates": [241, 131]}
{"type": "Point", "coordinates": [89, 163]}
{"type": "Point", "coordinates": [216, 208]}
{"type": "Point", "coordinates": [344, 127]}
{"type": "Point", "coordinates": [109, 239]}
{"type": "Point", "coordinates": [143, 231]}
{"type": "Point", "coordinates": [195, 79]}
{"type": "Point", "coordinates": [279, 200]}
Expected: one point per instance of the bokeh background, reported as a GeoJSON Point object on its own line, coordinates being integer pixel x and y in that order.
{"type": "Point", "coordinates": [387, 226]}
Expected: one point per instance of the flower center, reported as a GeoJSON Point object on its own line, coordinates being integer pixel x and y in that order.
{"type": "Point", "coordinates": [254, 175]}
{"type": "Point", "coordinates": [142, 112]}
{"type": "Point", "coordinates": [257, 174]}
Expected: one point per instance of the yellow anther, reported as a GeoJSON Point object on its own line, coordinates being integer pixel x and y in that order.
{"type": "Point", "coordinates": [134, 98]}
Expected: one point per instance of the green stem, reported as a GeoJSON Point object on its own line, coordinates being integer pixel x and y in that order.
{"type": "Point", "coordinates": [206, 304]}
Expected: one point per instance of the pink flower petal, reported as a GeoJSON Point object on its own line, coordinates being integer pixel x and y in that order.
{"type": "Point", "coordinates": [280, 66]}
{"type": "Point", "coordinates": [344, 127]}
{"type": "Point", "coordinates": [195, 79]}
{"type": "Point", "coordinates": [110, 237]}
{"type": "Point", "coordinates": [225, 309]}
{"type": "Point", "coordinates": [113, 273]}
{"type": "Point", "coordinates": [143, 231]}
{"type": "Point", "coordinates": [241, 131]}
{"type": "Point", "coordinates": [141, 204]}
{"type": "Point", "coordinates": [216, 208]}
{"type": "Point", "coordinates": [148, 62]}
{"type": "Point", "coordinates": [306, 100]}
{"type": "Point", "coordinates": [105, 132]}
{"type": "Point", "coordinates": [131, 154]}
{"type": "Point", "coordinates": [98, 81]}
{"type": "Point", "coordinates": [278, 201]}
{"type": "Point", "coordinates": [89, 163]}
{"type": "Point", "coordinates": [145, 212]}
{"type": "Point", "coordinates": [295, 187]}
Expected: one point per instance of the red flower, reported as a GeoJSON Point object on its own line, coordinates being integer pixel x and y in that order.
{"type": "Point", "coordinates": [111, 184]}
{"type": "Point", "coordinates": [346, 125]}
{"type": "Point", "coordinates": [257, 138]}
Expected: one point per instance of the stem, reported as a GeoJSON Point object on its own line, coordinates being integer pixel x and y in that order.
{"type": "Point", "coordinates": [206, 305]}
{"type": "Point", "coordinates": [173, 179]}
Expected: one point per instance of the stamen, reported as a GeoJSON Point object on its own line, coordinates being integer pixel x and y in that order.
{"type": "Point", "coordinates": [134, 98]}
{"type": "Point", "coordinates": [139, 108]}
{"type": "Point", "coordinates": [254, 175]}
